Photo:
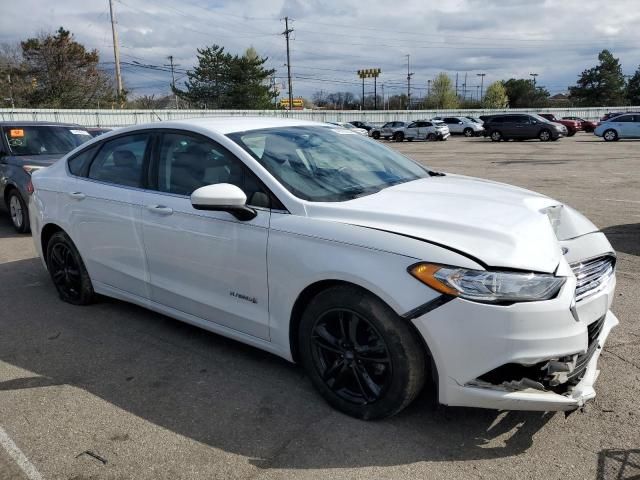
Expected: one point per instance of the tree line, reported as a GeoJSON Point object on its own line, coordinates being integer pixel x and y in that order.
{"type": "Point", "coordinates": [55, 71]}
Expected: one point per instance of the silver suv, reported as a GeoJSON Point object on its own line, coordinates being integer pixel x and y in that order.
{"type": "Point", "coordinates": [462, 125]}
{"type": "Point", "coordinates": [389, 130]}
{"type": "Point", "coordinates": [426, 130]}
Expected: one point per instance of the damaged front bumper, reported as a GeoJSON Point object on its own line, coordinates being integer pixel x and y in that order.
{"type": "Point", "coordinates": [526, 356]}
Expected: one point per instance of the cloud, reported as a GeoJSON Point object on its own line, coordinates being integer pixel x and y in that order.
{"type": "Point", "coordinates": [334, 38]}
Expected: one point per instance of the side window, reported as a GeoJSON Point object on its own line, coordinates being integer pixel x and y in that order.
{"type": "Point", "coordinates": [428, 124]}
{"type": "Point", "coordinates": [413, 125]}
{"type": "Point", "coordinates": [187, 163]}
{"type": "Point", "coordinates": [450, 121]}
{"type": "Point", "coordinates": [625, 118]}
{"type": "Point", "coordinates": [78, 163]}
{"type": "Point", "coordinates": [120, 160]}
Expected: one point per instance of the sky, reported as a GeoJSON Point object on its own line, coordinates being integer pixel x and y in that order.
{"type": "Point", "coordinates": [332, 39]}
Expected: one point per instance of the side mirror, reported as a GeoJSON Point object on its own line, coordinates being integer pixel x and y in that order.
{"type": "Point", "coordinates": [460, 123]}
{"type": "Point", "coordinates": [223, 197]}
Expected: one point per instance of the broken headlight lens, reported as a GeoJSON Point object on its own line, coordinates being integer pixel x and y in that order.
{"type": "Point", "coordinates": [487, 286]}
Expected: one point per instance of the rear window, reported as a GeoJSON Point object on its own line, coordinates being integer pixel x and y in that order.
{"type": "Point", "coordinates": [44, 139]}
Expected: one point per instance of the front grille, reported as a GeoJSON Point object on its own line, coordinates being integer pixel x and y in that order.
{"type": "Point", "coordinates": [592, 275]}
{"type": "Point", "coordinates": [594, 329]}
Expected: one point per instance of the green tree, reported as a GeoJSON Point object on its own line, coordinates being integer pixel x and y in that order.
{"type": "Point", "coordinates": [222, 80]}
{"type": "Point", "coordinates": [442, 94]}
{"type": "Point", "coordinates": [523, 94]}
{"type": "Point", "coordinates": [602, 85]}
{"type": "Point", "coordinates": [495, 96]}
{"type": "Point", "coordinates": [62, 73]}
{"type": "Point", "coordinates": [633, 89]}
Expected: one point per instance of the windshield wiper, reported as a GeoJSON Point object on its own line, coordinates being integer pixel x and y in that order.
{"type": "Point", "coordinates": [433, 173]}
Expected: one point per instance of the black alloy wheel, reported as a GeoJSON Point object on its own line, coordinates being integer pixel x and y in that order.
{"type": "Point", "coordinates": [375, 135]}
{"type": "Point", "coordinates": [67, 271]}
{"type": "Point", "coordinates": [363, 358]}
{"type": "Point", "coordinates": [351, 356]}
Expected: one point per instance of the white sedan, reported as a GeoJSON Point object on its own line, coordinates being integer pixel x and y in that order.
{"type": "Point", "coordinates": [377, 274]}
{"type": "Point", "coordinates": [353, 128]}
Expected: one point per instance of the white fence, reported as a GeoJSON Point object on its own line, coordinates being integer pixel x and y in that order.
{"type": "Point", "coordinates": [121, 118]}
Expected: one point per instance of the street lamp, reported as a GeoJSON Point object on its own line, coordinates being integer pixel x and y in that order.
{"type": "Point", "coordinates": [481, 75]}
{"type": "Point", "coordinates": [534, 75]}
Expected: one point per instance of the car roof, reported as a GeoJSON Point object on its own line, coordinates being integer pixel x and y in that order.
{"type": "Point", "coordinates": [224, 125]}
{"type": "Point", "coordinates": [41, 124]}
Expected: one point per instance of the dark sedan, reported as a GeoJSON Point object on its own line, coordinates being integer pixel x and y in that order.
{"type": "Point", "coordinates": [24, 148]}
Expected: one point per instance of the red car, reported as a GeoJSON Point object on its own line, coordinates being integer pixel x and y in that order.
{"type": "Point", "coordinates": [572, 125]}
{"type": "Point", "coordinates": [587, 125]}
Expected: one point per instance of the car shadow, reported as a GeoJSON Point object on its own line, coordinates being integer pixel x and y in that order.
{"type": "Point", "coordinates": [223, 393]}
{"type": "Point", "coordinates": [624, 238]}
{"type": "Point", "coordinates": [614, 464]}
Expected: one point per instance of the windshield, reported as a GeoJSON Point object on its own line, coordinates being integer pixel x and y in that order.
{"type": "Point", "coordinates": [325, 164]}
{"type": "Point", "coordinates": [539, 118]}
{"type": "Point", "coordinates": [44, 140]}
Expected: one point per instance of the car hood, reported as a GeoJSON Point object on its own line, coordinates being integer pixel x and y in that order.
{"type": "Point", "coordinates": [38, 160]}
{"type": "Point", "coordinates": [496, 224]}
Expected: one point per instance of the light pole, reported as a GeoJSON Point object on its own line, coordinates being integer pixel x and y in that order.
{"type": "Point", "coordinates": [534, 75]}
{"type": "Point", "coordinates": [370, 73]}
{"type": "Point", "coordinates": [481, 75]}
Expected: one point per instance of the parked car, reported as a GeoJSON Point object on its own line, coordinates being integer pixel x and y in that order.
{"type": "Point", "coordinates": [365, 125]}
{"type": "Point", "coordinates": [475, 119]}
{"type": "Point", "coordinates": [95, 131]}
{"type": "Point", "coordinates": [587, 125]}
{"type": "Point", "coordinates": [349, 126]}
{"type": "Point", "coordinates": [389, 130]}
{"type": "Point", "coordinates": [462, 125]}
{"type": "Point", "coordinates": [518, 126]}
{"type": "Point", "coordinates": [24, 148]}
{"type": "Point", "coordinates": [622, 126]}
{"type": "Point", "coordinates": [426, 130]}
{"type": "Point", "coordinates": [573, 126]}
{"type": "Point", "coordinates": [377, 274]}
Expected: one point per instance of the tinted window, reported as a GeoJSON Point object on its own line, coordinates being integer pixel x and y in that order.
{"type": "Point", "coordinates": [44, 139]}
{"type": "Point", "coordinates": [428, 124]}
{"type": "Point", "coordinates": [78, 163]}
{"type": "Point", "coordinates": [120, 161]}
{"type": "Point", "coordinates": [496, 119]}
{"type": "Point", "coordinates": [521, 119]}
{"type": "Point", "coordinates": [451, 121]}
{"type": "Point", "coordinates": [187, 163]}
{"type": "Point", "coordinates": [413, 125]}
{"type": "Point", "coordinates": [624, 118]}
{"type": "Point", "coordinates": [387, 125]}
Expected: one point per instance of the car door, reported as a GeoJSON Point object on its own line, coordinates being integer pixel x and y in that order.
{"type": "Point", "coordinates": [625, 126]}
{"type": "Point", "coordinates": [207, 264]}
{"type": "Point", "coordinates": [635, 126]}
{"type": "Point", "coordinates": [103, 198]}
{"type": "Point", "coordinates": [412, 130]}
{"type": "Point", "coordinates": [522, 127]}
{"type": "Point", "coordinates": [454, 124]}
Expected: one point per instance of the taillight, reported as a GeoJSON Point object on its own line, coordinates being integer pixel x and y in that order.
{"type": "Point", "coordinates": [30, 187]}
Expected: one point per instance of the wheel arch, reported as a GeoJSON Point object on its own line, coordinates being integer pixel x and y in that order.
{"type": "Point", "coordinates": [46, 233]}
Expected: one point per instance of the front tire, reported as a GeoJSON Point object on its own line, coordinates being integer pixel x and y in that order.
{"type": "Point", "coordinates": [610, 135]}
{"type": "Point", "coordinates": [496, 136]}
{"type": "Point", "coordinates": [18, 212]}
{"type": "Point", "coordinates": [544, 135]}
{"type": "Point", "coordinates": [67, 270]}
{"type": "Point", "coordinates": [398, 136]}
{"type": "Point", "coordinates": [362, 358]}
{"type": "Point", "coordinates": [468, 132]}
{"type": "Point", "coordinates": [432, 137]}
{"type": "Point", "coordinates": [376, 135]}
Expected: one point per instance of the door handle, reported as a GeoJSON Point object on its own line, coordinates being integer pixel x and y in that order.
{"type": "Point", "coordinates": [77, 195]}
{"type": "Point", "coordinates": [160, 209]}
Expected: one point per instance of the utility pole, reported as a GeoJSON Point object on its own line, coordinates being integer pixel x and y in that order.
{"type": "Point", "coordinates": [428, 88]}
{"type": "Point", "coordinates": [173, 81]}
{"type": "Point", "coordinates": [534, 75]}
{"type": "Point", "coordinates": [116, 50]}
{"type": "Point", "coordinates": [286, 33]}
{"type": "Point", "coordinates": [383, 104]}
{"type": "Point", "coordinates": [273, 89]}
{"type": "Point", "coordinates": [456, 84]}
{"type": "Point", "coordinates": [464, 87]}
{"type": "Point", "coordinates": [13, 105]}
{"type": "Point", "coordinates": [481, 75]}
{"type": "Point", "coordinates": [409, 75]}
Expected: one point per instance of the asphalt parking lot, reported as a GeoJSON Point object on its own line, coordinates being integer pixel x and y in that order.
{"type": "Point", "coordinates": [113, 391]}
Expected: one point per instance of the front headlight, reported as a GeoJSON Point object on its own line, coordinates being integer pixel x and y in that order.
{"type": "Point", "coordinates": [486, 286]}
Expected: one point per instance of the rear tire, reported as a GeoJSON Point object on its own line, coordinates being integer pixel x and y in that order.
{"type": "Point", "coordinates": [398, 137]}
{"type": "Point", "coordinates": [67, 270]}
{"type": "Point", "coordinates": [18, 211]}
{"type": "Point", "coordinates": [496, 136]}
{"type": "Point", "coordinates": [362, 358]}
{"type": "Point", "coordinates": [610, 135]}
{"type": "Point", "coordinates": [571, 133]}
{"type": "Point", "coordinates": [375, 135]}
{"type": "Point", "coordinates": [432, 137]}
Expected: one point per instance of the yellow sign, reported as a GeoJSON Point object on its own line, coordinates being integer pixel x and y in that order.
{"type": "Point", "coordinates": [16, 133]}
{"type": "Point", "coordinates": [369, 73]}
{"type": "Point", "coordinates": [297, 103]}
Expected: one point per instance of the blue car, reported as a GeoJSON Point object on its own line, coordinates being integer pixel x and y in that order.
{"type": "Point", "coordinates": [24, 148]}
